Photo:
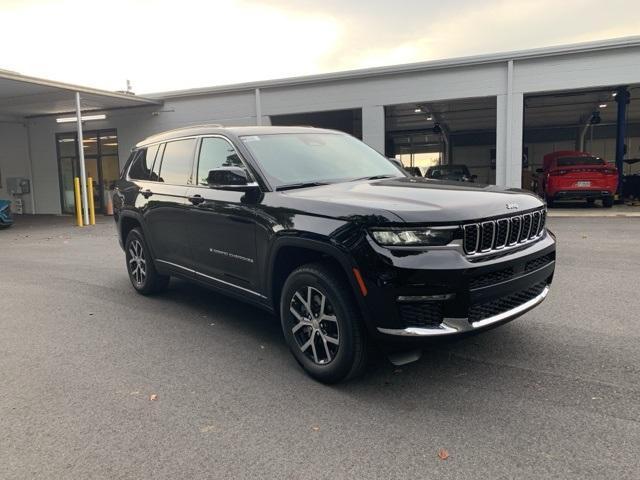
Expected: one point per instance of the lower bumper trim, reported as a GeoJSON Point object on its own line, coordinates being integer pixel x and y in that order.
{"type": "Point", "coordinates": [451, 326]}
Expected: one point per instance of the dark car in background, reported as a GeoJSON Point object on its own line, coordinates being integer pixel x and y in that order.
{"type": "Point", "coordinates": [6, 220]}
{"type": "Point", "coordinates": [456, 173]}
{"type": "Point", "coordinates": [323, 231]}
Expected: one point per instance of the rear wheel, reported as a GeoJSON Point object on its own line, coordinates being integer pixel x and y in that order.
{"type": "Point", "coordinates": [591, 201]}
{"type": "Point", "coordinates": [322, 325]}
{"type": "Point", "coordinates": [142, 271]}
{"type": "Point", "coordinates": [607, 202]}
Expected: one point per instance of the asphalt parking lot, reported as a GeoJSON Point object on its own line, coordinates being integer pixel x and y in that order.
{"type": "Point", "coordinates": [554, 394]}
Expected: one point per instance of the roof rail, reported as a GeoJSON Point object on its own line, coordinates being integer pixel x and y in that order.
{"type": "Point", "coordinates": [186, 127]}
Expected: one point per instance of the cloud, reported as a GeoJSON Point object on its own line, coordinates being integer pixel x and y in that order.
{"type": "Point", "coordinates": [163, 44]}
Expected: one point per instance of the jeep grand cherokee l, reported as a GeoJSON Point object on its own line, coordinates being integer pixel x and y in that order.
{"type": "Point", "coordinates": [320, 229]}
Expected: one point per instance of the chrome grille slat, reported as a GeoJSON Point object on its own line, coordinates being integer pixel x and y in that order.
{"type": "Point", "coordinates": [534, 224]}
{"type": "Point", "coordinates": [502, 233]}
{"type": "Point", "coordinates": [526, 227]}
{"type": "Point", "coordinates": [514, 231]}
{"type": "Point", "coordinates": [491, 235]}
{"type": "Point", "coordinates": [487, 236]}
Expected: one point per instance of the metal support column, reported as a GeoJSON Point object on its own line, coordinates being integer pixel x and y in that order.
{"type": "Point", "coordinates": [622, 99]}
{"type": "Point", "coordinates": [258, 107]}
{"type": "Point", "coordinates": [83, 171]}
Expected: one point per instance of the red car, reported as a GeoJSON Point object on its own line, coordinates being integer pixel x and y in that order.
{"type": "Point", "coordinates": [575, 175]}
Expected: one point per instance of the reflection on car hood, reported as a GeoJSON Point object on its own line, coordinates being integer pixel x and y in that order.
{"type": "Point", "coordinates": [424, 200]}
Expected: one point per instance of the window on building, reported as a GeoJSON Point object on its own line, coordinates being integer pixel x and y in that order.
{"type": "Point", "coordinates": [176, 162]}
{"type": "Point", "coordinates": [215, 152]}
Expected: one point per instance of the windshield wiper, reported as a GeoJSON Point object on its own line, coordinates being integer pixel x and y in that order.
{"type": "Point", "coordinates": [291, 186]}
{"type": "Point", "coordinates": [375, 177]}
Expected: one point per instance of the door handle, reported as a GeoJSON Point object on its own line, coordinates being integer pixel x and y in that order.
{"type": "Point", "coordinates": [196, 199]}
{"type": "Point", "coordinates": [146, 193]}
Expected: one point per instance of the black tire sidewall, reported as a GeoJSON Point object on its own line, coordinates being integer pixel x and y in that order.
{"type": "Point", "coordinates": [342, 363]}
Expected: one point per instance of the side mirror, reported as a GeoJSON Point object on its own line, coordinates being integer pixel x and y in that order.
{"type": "Point", "coordinates": [230, 178]}
{"type": "Point", "coordinates": [539, 170]}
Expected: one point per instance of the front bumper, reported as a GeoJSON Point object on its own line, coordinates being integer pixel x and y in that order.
{"type": "Point", "coordinates": [452, 326]}
{"type": "Point", "coordinates": [444, 293]}
{"type": "Point", "coordinates": [580, 194]}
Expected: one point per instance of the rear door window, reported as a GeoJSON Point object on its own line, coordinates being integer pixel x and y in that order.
{"type": "Point", "coordinates": [177, 161]}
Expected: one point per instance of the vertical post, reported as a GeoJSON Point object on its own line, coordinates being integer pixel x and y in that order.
{"type": "Point", "coordinates": [76, 190]}
{"type": "Point", "coordinates": [373, 128]}
{"type": "Point", "coordinates": [509, 127]}
{"type": "Point", "coordinates": [83, 172]}
{"type": "Point", "coordinates": [509, 139]}
{"type": "Point", "coordinates": [92, 209]}
{"type": "Point", "coordinates": [501, 140]}
{"type": "Point", "coordinates": [622, 99]}
{"type": "Point", "coordinates": [258, 107]}
{"type": "Point", "coordinates": [30, 165]}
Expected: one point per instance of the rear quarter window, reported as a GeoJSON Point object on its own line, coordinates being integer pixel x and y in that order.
{"type": "Point", "coordinates": [140, 168]}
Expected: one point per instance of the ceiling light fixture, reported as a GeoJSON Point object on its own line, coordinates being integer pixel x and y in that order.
{"type": "Point", "coordinates": [417, 110]}
{"type": "Point", "coordinates": [85, 118]}
{"type": "Point", "coordinates": [429, 117]}
{"type": "Point", "coordinates": [603, 105]}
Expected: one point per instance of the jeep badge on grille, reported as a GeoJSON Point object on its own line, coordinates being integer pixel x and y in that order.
{"type": "Point", "coordinates": [512, 206]}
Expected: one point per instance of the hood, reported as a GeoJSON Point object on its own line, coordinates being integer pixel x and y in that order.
{"type": "Point", "coordinates": [418, 200]}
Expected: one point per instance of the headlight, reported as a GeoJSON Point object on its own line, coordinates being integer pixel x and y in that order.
{"type": "Point", "coordinates": [414, 237]}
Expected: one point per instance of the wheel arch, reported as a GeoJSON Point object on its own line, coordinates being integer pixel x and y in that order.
{"type": "Point", "coordinates": [288, 254]}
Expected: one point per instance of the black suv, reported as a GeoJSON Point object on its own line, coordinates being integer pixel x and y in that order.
{"type": "Point", "coordinates": [345, 247]}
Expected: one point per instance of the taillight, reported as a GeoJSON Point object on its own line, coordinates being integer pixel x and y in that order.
{"type": "Point", "coordinates": [610, 171]}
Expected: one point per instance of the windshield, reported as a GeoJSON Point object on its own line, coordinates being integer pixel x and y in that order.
{"type": "Point", "coordinates": [292, 158]}
{"type": "Point", "coordinates": [573, 161]}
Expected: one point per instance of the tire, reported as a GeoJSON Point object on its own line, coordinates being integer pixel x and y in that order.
{"type": "Point", "coordinates": [607, 202]}
{"type": "Point", "coordinates": [140, 266]}
{"type": "Point", "coordinates": [591, 201]}
{"type": "Point", "coordinates": [549, 202]}
{"type": "Point", "coordinates": [328, 361]}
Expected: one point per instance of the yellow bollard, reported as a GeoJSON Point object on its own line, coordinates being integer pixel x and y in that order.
{"type": "Point", "coordinates": [92, 209]}
{"type": "Point", "coordinates": [76, 188]}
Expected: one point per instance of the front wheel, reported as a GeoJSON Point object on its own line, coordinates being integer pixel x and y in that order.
{"type": "Point", "coordinates": [142, 272]}
{"type": "Point", "coordinates": [322, 325]}
{"type": "Point", "coordinates": [607, 202]}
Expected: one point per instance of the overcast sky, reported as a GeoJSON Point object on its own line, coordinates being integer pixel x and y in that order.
{"type": "Point", "coordinates": [175, 44]}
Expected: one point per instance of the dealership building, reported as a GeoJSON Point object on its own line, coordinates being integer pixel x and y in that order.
{"type": "Point", "coordinates": [498, 114]}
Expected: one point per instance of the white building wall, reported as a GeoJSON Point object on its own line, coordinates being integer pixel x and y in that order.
{"type": "Point", "coordinates": [372, 93]}
{"type": "Point", "coordinates": [14, 157]}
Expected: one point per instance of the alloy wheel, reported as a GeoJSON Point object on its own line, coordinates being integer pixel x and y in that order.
{"type": "Point", "coordinates": [137, 262]}
{"type": "Point", "coordinates": [316, 326]}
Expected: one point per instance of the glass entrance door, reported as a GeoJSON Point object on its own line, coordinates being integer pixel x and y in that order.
{"type": "Point", "coordinates": [101, 162]}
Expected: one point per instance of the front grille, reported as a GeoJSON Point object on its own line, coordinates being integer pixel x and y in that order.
{"type": "Point", "coordinates": [496, 234]}
{"type": "Point", "coordinates": [539, 262]}
{"type": "Point", "coordinates": [421, 314]}
{"type": "Point", "coordinates": [503, 304]}
{"type": "Point", "coordinates": [491, 278]}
